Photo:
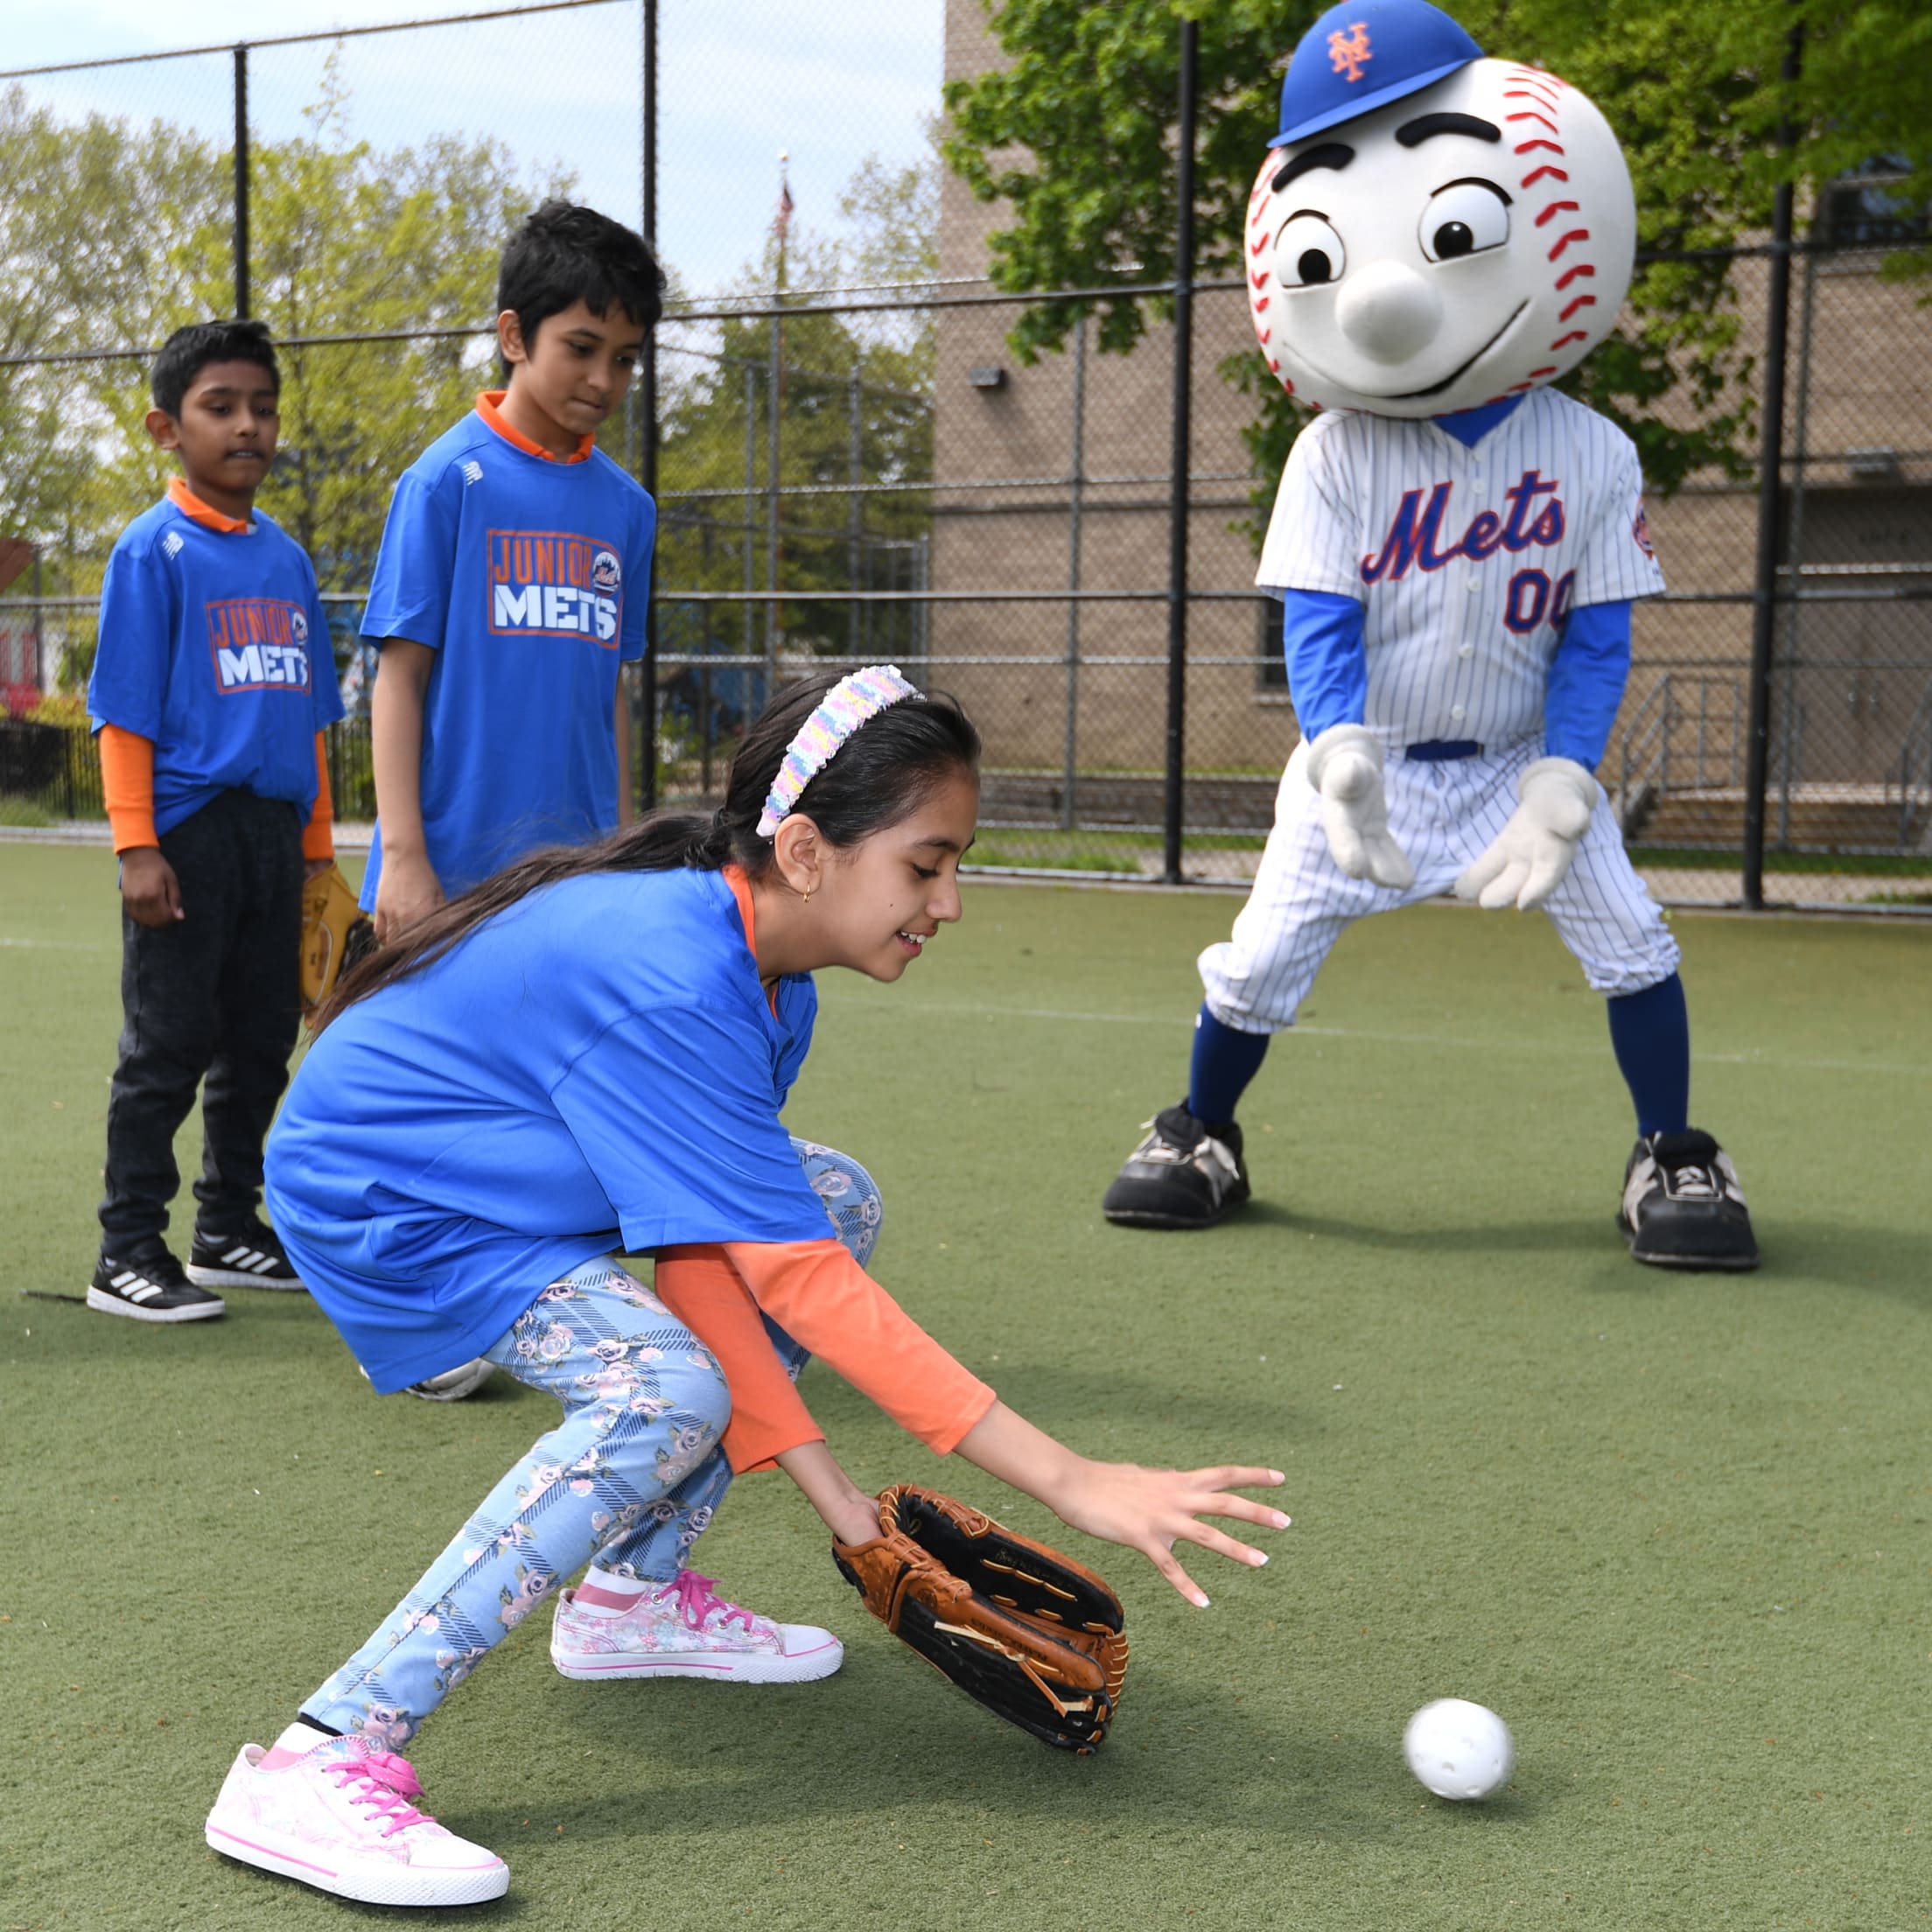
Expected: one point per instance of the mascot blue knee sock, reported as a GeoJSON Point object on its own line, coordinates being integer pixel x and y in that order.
{"type": "Point", "coordinates": [1649, 1032]}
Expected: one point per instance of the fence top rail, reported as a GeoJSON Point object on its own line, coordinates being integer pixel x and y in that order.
{"type": "Point", "coordinates": [300, 39]}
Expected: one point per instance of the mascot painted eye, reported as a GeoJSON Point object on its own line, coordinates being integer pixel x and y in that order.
{"type": "Point", "coordinates": [1464, 218]}
{"type": "Point", "coordinates": [1308, 252]}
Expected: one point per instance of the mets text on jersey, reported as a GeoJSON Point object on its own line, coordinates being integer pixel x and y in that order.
{"type": "Point", "coordinates": [258, 644]}
{"type": "Point", "coordinates": [1415, 538]}
{"type": "Point", "coordinates": [554, 583]}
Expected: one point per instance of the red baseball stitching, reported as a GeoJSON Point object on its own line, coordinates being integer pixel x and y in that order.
{"type": "Point", "coordinates": [1547, 91]}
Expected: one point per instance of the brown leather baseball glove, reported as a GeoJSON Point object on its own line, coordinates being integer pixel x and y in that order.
{"type": "Point", "coordinates": [335, 935]}
{"type": "Point", "coordinates": [1030, 1633]}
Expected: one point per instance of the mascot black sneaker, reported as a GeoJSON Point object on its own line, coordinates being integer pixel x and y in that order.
{"type": "Point", "coordinates": [1186, 1174]}
{"type": "Point", "coordinates": [1683, 1206]}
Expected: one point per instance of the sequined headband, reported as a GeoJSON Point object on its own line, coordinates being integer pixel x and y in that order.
{"type": "Point", "coordinates": [856, 697]}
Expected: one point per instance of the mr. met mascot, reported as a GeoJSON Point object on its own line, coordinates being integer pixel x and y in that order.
{"type": "Point", "coordinates": [1434, 238]}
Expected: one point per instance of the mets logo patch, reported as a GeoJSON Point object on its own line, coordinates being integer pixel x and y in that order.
{"type": "Point", "coordinates": [554, 583]}
{"type": "Point", "coordinates": [1348, 52]}
{"type": "Point", "coordinates": [258, 644]}
{"type": "Point", "coordinates": [1640, 528]}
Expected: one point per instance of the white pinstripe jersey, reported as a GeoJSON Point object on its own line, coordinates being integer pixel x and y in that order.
{"type": "Point", "coordinates": [1466, 560]}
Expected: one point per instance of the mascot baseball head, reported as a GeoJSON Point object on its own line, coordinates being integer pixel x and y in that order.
{"type": "Point", "coordinates": [1432, 230]}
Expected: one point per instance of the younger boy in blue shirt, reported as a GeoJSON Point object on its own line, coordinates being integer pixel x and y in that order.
{"type": "Point", "coordinates": [511, 585]}
{"type": "Point", "coordinates": [212, 685]}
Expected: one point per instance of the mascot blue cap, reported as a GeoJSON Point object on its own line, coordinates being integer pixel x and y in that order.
{"type": "Point", "coordinates": [1364, 54]}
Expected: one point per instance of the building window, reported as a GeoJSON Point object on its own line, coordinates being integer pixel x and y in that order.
{"type": "Point", "coordinates": [1270, 662]}
{"type": "Point", "coordinates": [1864, 209]}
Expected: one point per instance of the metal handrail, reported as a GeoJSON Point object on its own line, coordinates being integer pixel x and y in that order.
{"type": "Point", "coordinates": [1916, 750]}
{"type": "Point", "coordinates": [1637, 735]}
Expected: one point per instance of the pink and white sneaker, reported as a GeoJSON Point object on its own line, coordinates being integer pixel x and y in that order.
{"type": "Point", "coordinates": [337, 1813]}
{"type": "Point", "coordinates": [685, 1629]}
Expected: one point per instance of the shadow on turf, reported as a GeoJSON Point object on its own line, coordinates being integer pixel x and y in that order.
{"type": "Point", "coordinates": [888, 1738]}
{"type": "Point", "coordinates": [1565, 1235]}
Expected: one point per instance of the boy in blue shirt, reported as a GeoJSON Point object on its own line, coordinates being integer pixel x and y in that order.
{"type": "Point", "coordinates": [511, 585]}
{"type": "Point", "coordinates": [210, 688]}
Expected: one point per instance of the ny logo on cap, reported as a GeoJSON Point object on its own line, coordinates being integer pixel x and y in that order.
{"type": "Point", "coordinates": [1349, 52]}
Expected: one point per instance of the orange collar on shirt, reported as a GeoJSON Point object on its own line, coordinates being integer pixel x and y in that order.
{"type": "Point", "coordinates": [192, 507]}
{"type": "Point", "coordinates": [489, 406]}
{"type": "Point", "coordinates": [741, 890]}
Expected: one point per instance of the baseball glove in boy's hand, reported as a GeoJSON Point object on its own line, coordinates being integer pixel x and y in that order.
{"type": "Point", "coordinates": [1034, 1636]}
{"type": "Point", "coordinates": [335, 935]}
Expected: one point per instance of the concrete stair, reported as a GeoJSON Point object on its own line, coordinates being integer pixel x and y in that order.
{"type": "Point", "coordinates": [1829, 818]}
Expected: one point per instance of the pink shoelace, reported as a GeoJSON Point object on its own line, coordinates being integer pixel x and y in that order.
{"type": "Point", "coordinates": [696, 1599]}
{"type": "Point", "coordinates": [389, 1783]}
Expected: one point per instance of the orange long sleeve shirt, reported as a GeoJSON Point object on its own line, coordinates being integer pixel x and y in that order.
{"type": "Point", "coordinates": [126, 785]}
{"type": "Point", "coordinates": [823, 1300]}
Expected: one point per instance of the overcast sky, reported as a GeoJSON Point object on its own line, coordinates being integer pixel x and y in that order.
{"type": "Point", "coordinates": [740, 80]}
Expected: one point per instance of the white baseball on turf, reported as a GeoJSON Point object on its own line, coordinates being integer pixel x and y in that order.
{"type": "Point", "coordinates": [1459, 1749]}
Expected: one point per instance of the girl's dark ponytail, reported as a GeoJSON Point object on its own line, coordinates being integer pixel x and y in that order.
{"type": "Point", "coordinates": [882, 774]}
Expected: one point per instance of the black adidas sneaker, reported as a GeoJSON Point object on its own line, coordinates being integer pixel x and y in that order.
{"type": "Point", "coordinates": [1683, 1206]}
{"type": "Point", "coordinates": [251, 1257]}
{"type": "Point", "coordinates": [1184, 1175]}
{"type": "Point", "coordinates": [151, 1288]}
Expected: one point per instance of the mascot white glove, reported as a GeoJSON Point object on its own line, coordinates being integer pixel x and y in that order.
{"type": "Point", "coordinates": [1345, 768]}
{"type": "Point", "coordinates": [1533, 852]}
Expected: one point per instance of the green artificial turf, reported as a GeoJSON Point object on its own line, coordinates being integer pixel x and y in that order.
{"type": "Point", "coordinates": [1672, 1528]}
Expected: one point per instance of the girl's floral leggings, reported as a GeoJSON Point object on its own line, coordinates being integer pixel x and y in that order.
{"type": "Point", "coordinates": [631, 1476]}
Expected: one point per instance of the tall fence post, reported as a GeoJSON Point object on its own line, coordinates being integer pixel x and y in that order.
{"type": "Point", "coordinates": [774, 396]}
{"type": "Point", "coordinates": [1076, 480]}
{"type": "Point", "coordinates": [854, 643]}
{"type": "Point", "coordinates": [1770, 497]}
{"type": "Point", "coordinates": [644, 782]}
{"type": "Point", "coordinates": [1177, 536]}
{"type": "Point", "coordinates": [241, 237]}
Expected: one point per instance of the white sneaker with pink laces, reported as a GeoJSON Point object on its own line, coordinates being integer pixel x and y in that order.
{"type": "Point", "coordinates": [684, 1630]}
{"type": "Point", "coordinates": [337, 1813]}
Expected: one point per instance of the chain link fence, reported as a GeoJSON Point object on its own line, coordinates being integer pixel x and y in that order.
{"type": "Point", "coordinates": [852, 463]}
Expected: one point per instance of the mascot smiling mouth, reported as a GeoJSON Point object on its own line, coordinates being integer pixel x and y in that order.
{"type": "Point", "coordinates": [1454, 375]}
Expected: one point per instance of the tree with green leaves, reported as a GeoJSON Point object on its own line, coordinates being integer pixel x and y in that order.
{"type": "Point", "coordinates": [116, 234]}
{"type": "Point", "coordinates": [854, 397]}
{"type": "Point", "coordinates": [1076, 133]}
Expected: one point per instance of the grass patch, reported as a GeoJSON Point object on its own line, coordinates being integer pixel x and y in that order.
{"type": "Point", "coordinates": [1673, 1529]}
{"type": "Point", "coordinates": [1855, 864]}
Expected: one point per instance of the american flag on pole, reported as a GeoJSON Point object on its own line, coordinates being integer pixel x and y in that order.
{"type": "Point", "coordinates": [781, 223]}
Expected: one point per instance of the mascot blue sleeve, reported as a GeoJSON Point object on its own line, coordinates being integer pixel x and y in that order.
{"type": "Point", "coordinates": [1587, 677]}
{"type": "Point", "coordinates": [1322, 637]}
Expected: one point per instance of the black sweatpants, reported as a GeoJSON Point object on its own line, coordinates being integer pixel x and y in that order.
{"type": "Point", "coordinates": [216, 993]}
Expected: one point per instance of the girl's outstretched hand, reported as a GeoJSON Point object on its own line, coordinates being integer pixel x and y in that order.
{"type": "Point", "coordinates": [1145, 1509]}
{"type": "Point", "coordinates": [1151, 1509]}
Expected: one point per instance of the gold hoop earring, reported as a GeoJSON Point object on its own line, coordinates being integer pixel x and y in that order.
{"type": "Point", "coordinates": [806, 896]}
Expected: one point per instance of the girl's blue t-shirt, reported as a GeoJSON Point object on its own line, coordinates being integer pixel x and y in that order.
{"type": "Point", "coordinates": [597, 1068]}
